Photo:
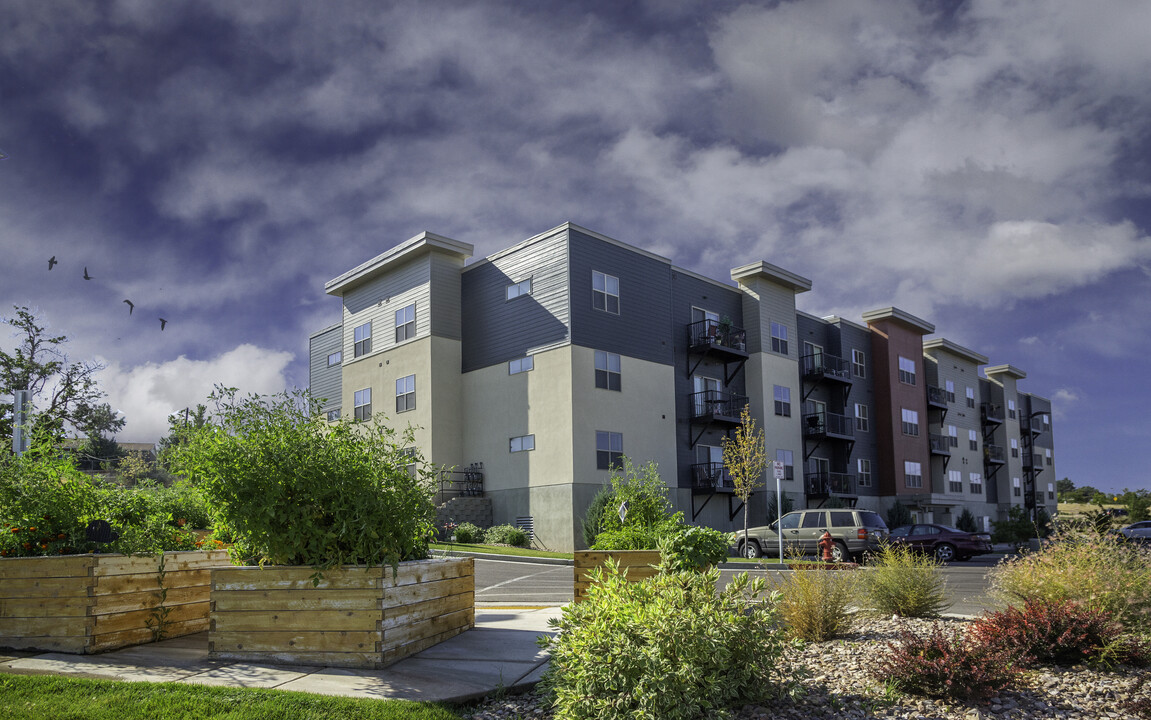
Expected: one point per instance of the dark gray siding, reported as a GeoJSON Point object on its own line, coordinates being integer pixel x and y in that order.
{"type": "Point", "coordinates": [496, 329]}
{"type": "Point", "coordinates": [324, 381]}
{"type": "Point", "coordinates": [445, 298]}
{"type": "Point", "coordinates": [847, 338]}
{"type": "Point", "coordinates": [643, 329]}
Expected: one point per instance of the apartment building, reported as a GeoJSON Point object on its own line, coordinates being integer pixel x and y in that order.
{"type": "Point", "coordinates": [545, 363]}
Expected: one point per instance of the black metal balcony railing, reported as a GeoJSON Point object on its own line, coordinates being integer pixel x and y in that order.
{"type": "Point", "coordinates": [466, 482]}
{"type": "Point", "coordinates": [1033, 424]}
{"type": "Point", "coordinates": [1032, 461]}
{"type": "Point", "coordinates": [822, 365]}
{"type": "Point", "coordinates": [825, 424]}
{"type": "Point", "coordinates": [712, 405]}
{"type": "Point", "coordinates": [936, 396]}
{"type": "Point", "coordinates": [824, 484]}
{"type": "Point", "coordinates": [710, 476]}
{"type": "Point", "coordinates": [991, 413]}
{"type": "Point", "coordinates": [993, 454]}
{"type": "Point", "coordinates": [940, 444]}
{"type": "Point", "coordinates": [716, 333]}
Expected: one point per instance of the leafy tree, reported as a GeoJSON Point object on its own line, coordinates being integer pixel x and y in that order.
{"type": "Point", "coordinates": [181, 426]}
{"type": "Point", "coordinates": [593, 518]}
{"type": "Point", "coordinates": [1064, 487]}
{"type": "Point", "coordinates": [745, 459]}
{"type": "Point", "coordinates": [898, 515]}
{"type": "Point", "coordinates": [966, 521]}
{"type": "Point", "coordinates": [773, 512]}
{"type": "Point", "coordinates": [1138, 504]}
{"type": "Point", "coordinates": [62, 393]}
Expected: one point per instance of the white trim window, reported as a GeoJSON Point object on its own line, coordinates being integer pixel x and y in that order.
{"type": "Point", "coordinates": [521, 365]}
{"type": "Point", "coordinates": [605, 292]}
{"type": "Point", "coordinates": [787, 457]}
{"type": "Point", "coordinates": [954, 481]}
{"type": "Point", "coordinates": [779, 338]}
{"type": "Point", "coordinates": [859, 363]}
{"type": "Point", "coordinates": [1011, 409]}
{"type": "Point", "coordinates": [362, 402]}
{"type": "Point", "coordinates": [608, 449]}
{"type": "Point", "coordinates": [523, 287]}
{"type": "Point", "coordinates": [1050, 491]}
{"type": "Point", "coordinates": [362, 339]}
{"type": "Point", "coordinates": [975, 483]}
{"type": "Point", "coordinates": [1016, 488]}
{"type": "Point", "coordinates": [862, 420]}
{"type": "Point", "coordinates": [1014, 448]}
{"type": "Point", "coordinates": [333, 415]}
{"type": "Point", "coordinates": [910, 422]}
{"type": "Point", "coordinates": [523, 443]}
{"type": "Point", "coordinates": [952, 436]}
{"type": "Point", "coordinates": [335, 358]}
{"type": "Point", "coordinates": [863, 465]}
{"type": "Point", "coordinates": [406, 393]}
{"type": "Point", "coordinates": [406, 323]}
{"type": "Point", "coordinates": [973, 439]}
{"type": "Point", "coordinates": [912, 474]}
{"type": "Point", "coordinates": [607, 370]}
{"type": "Point", "coordinates": [906, 370]}
{"type": "Point", "coordinates": [970, 397]}
{"type": "Point", "coordinates": [949, 388]}
{"type": "Point", "coordinates": [782, 400]}
{"type": "Point", "coordinates": [1047, 452]}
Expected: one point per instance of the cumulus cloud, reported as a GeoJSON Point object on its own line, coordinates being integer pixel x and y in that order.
{"type": "Point", "coordinates": [1063, 402]}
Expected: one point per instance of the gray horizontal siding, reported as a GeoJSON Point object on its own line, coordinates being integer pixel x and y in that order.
{"type": "Point", "coordinates": [378, 301]}
{"type": "Point", "coordinates": [325, 382]}
{"type": "Point", "coordinates": [445, 296]}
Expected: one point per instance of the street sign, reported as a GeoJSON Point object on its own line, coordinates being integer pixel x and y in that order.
{"type": "Point", "coordinates": [777, 468]}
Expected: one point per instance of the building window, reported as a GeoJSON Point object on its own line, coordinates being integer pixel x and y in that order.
{"type": "Point", "coordinates": [954, 481]}
{"type": "Point", "coordinates": [607, 373]}
{"type": "Point", "coordinates": [1011, 409]}
{"type": "Point", "coordinates": [608, 449]}
{"type": "Point", "coordinates": [1050, 491]}
{"type": "Point", "coordinates": [605, 292]}
{"type": "Point", "coordinates": [520, 288]}
{"type": "Point", "coordinates": [334, 358]}
{"type": "Point", "coordinates": [906, 370]}
{"type": "Point", "coordinates": [949, 388]}
{"type": "Point", "coordinates": [912, 474]}
{"type": "Point", "coordinates": [363, 404]}
{"type": "Point", "coordinates": [406, 323]}
{"type": "Point", "coordinates": [970, 397]}
{"type": "Point", "coordinates": [975, 481]}
{"type": "Point", "coordinates": [788, 459]}
{"type": "Point", "coordinates": [1048, 453]}
{"type": "Point", "coordinates": [333, 415]}
{"type": "Point", "coordinates": [952, 436]}
{"type": "Point", "coordinates": [522, 443]}
{"type": "Point", "coordinates": [782, 401]}
{"type": "Point", "coordinates": [910, 422]}
{"type": "Point", "coordinates": [1015, 489]}
{"type": "Point", "coordinates": [973, 439]}
{"type": "Point", "coordinates": [862, 420]}
{"type": "Point", "coordinates": [864, 467]}
{"type": "Point", "coordinates": [779, 338]}
{"type": "Point", "coordinates": [363, 340]}
{"type": "Point", "coordinates": [520, 365]}
{"type": "Point", "coordinates": [1014, 448]}
{"type": "Point", "coordinates": [406, 394]}
{"type": "Point", "coordinates": [859, 363]}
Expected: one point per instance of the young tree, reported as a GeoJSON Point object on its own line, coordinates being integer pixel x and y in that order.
{"type": "Point", "coordinates": [745, 459]}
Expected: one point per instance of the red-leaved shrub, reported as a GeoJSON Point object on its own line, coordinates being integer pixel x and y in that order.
{"type": "Point", "coordinates": [947, 664]}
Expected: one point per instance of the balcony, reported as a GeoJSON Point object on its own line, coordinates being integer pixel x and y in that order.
{"type": "Point", "coordinates": [1032, 461]}
{"type": "Point", "coordinates": [820, 425]}
{"type": "Point", "coordinates": [936, 397]}
{"type": "Point", "coordinates": [991, 413]}
{"type": "Point", "coordinates": [718, 341]}
{"type": "Point", "coordinates": [1033, 424]}
{"type": "Point", "coordinates": [710, 477]}
{"type": "Point", "coordinates": [940, 444]}
{"type": "Point", "coordinates": [993, 455]}
{"type": "Point", "coordinates": [823, 367]}
{"type": "Point", "coordinates": [710, 407]}
{"type": "Point", "coordinates": [828, 484]}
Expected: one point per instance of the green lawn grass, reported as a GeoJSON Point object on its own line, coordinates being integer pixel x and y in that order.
{"type": "Point", "coordinates": [499, 550]}
{"type": "Point", "coordinates": [51, 697]}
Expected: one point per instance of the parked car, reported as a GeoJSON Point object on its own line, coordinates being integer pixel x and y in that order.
{"type": "Point", "coordinates": [945, 543]}
{"type": "Point", "coordinates": [1140, 531]}
{"type": "Point", "coordinates": [854, 531]}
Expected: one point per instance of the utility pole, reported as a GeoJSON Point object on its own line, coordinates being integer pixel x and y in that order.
{"type": "Point", "coordinates": [19, 419]}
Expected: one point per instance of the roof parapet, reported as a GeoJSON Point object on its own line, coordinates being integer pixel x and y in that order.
{"type": "Point", "coordinates": [424, 242]}
{"type": "Point", "coordinates": [901, 316]}
{"type": "Point", "coordinates": [958, 350]}
{"type": "Point", "coordinates": [773, 274]}
{"type": "Point", "coordinates": [1009, 370]}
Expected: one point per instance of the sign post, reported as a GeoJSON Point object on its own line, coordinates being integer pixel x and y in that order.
{"type": "Point", "coordinates": [19, 419]}
{"type": "Point", "coordinates": [777, 470]}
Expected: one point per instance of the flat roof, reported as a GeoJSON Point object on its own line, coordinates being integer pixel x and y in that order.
{"type": "Point", "coordinates": [901, 316]}
{"type": "Point", "coordinates": [413, 247]}
{"type": "Point", "coordinates": [1005, 370]}
{"type": "Point", "coordinates": [955, 349]}
{"type": "Point", "coordinates": [772, 273]}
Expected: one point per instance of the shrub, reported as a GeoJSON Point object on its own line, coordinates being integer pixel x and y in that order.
{"type": "Point", "coordinates": [906, 583]}
{"type": "Point", "coordinates": [693, 548]}
{"type": "Point", "coordinates": [966, 521]}
{"type": "Point", "coordinates": [467, 532]}
{"type": "Point", "coordinates": [898, 515]}
{"type": "Point", "coordinates": [645, 494]}
{"type": "Point", "coordinates": [668, 646]}
{"type": "Point", "coordinates": [297, 490]}
{"type": "Point", "coordinates": [506, 535]}
{"type": "Point", "coordinates": [1018, 527]}
{"type": "Point", "coordinates": [629, 538]}
{"type": "Point", "coordinates": [813, 603]}
{"type": "Point", "coordinates": [946, 665]}
{"type": "Point", "coordinates": [593, 517]}
{"type": "Point", "coordinates": [1102, 572]}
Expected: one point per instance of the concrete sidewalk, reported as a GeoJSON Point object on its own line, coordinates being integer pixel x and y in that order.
{"type": "Point", "coordinates": [499, 653]}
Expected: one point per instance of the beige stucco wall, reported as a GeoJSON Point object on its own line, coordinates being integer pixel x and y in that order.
{"type": "Point", "coordinates": [763, 372]}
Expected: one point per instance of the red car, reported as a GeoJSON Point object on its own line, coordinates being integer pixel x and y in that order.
{"type": "Point", "coordinates": [945, 543]}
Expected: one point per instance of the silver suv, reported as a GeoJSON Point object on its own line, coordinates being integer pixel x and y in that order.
{"type": "Point", "coordinates": [855, 532]}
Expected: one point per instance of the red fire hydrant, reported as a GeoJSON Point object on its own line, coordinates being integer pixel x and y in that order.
{"type": "Point", "coordinates": [826, 543]}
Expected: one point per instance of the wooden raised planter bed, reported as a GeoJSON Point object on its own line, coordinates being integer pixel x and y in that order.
{"type": "Point", "coordinates": [637, 564]}
{"type": "Point", "coordinates": [356, 617]}
{"type": "Point", "coordinates": [94, 603]}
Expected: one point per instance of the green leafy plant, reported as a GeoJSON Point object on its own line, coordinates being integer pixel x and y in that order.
{"type": "Point", "coordinates": [906, 583]}
{"type": "Point", "coordinates": [295, 489]}
{"type": "Point", "coordinates": [593, 516]}
{"type": "Point", "coordinates": [467, 532]}
{"type": "Point", "coordinates": [693, 548]}
{"type": "Point", "coordinates": [669, 647]}
{"type": "Point", "coordinates": [946, 665]}
{"type": "Point", "coordinates": [506, 535]}
{"type": "Point", "coordinates": [645, 493]}
{"type": "Point", "coordinates": [898, 515]}
{"type": "Point", "coordinates": [1019, 527]}
{"type": "Point", "coordinates": [966, 521]}
{"type": "Point", "coordinates": [629, 538]}
{"type": "Point", "coordinates": [814, 604]}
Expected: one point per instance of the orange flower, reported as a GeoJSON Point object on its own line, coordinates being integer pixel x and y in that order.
{"type": "Point", "coordinates": [181, 522]}
{"type": "Point", "coordinates": [15, 529]}
{"type": "Point", "coordinates": [43, 546]}
{"type": "Point", "coordinates": [31, 529]}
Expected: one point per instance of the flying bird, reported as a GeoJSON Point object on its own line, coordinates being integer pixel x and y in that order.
{"type": "Point", "coordinates": [163, 322]}
{"type": "Point", "coordinates": [52, 261]}
{"type": "Point", "coordinates": [131, 306]}
{"type": "Point", "coordinates": [86, 275]}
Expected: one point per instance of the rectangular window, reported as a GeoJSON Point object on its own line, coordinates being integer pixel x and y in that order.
{"type": "Point", "coordinates": [522, 443]}
{"type": "Point", "coordinates": [912, 474]}
{"type": "Point", "coordinates": [363, 404]}
{"type": "Point", "coordinates": [406, 394]}
{"type": "Point", "coordinates": [1050, 491]}
{"type": "Point", "coordinates": [1048, 453]}
{"type": "Point", "coordinates": [782, 401]}
{"type": "Point", "coordinates": [1011, 409]}
{"type": "Point", "coordinates": [406, 323]}
{"type": "Point", "coordinates": [859, 363]}
{"type": "Point", "coordinates": [607, 370]}
{"type": "Point", "coordinates": [906, 370]}
{"type": "Point", "coordinates": [1015, 489]}
{"type": "Point", "coordinates": [910, 422]}
{"type": "Point", "coordinates": [520, 288]}
{"type": "Point", "coordinates": [954, 481]}
{"type": "Point", "coordinates": [333, 415]}
{"type": "Point", "coordinates": [788, 459]}
{"type": "Point", "coordinates": [864, 467]}
{"type": "Point", "coordinates": [608, 449]}
{"type": "Point", "coordinates": [973, 439]}
{"type": "Point", "coordinates": [862, 420]}
{"type": "Point", "coordinates": [949, 388]}
{"type": "Point", "coordinates": [363, 340]}
{"type": "Point", "coordinates": [520, 365]}
{"type": "Point", "coordinates": [1014, 448]}
{"type": "Point", "coordinates": [970, 397]}
{"type": "Point", "coordinates": [975, 481]}
{"type": "Point", "coordinates": [605, 292]}
{"type": "Point", "coordinates": [334, 358]}
{"type": "Point", "coordinates": [779, 338]}
{"type": "Point", "coordinates": [952, 436]}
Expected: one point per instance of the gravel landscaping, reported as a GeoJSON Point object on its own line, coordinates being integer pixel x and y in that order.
{"type": "Point", "coordinates": [838, 685]}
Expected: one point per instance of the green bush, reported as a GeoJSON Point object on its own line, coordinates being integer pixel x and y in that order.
{"type": "Point", "coordinates": [506, 535]}
{"type": "Point", "coordinates": [693, 548]}
{"type": "Point", "coordinates": [669, 647]}
{"type": "Point", "coordinates": [814, 603]}
{"type": "Point", "coordinates": [645, 494]}
{"type": "Point", "coordinates": [947, 665]}
{"type": "Point", "coordinates": [898, 515]}
{"type": "Point", "coordinates": [297, 490]}
{"type": "Point", "coordinates": [467, 532]}
{"type": "Point", "coordinates": [905, 583]}
{"type": "Point", "coordinates": [966, 521]}
{"type": "Point", "coordinates": [593, 517]}
{"type": "Point", "coordinates": [1100, 571]}
{"type": "Point", "coordinates": [1018, 527]}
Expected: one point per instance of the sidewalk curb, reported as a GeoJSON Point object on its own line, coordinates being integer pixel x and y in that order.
{"type": "Point", "coordinates": [506, 558]}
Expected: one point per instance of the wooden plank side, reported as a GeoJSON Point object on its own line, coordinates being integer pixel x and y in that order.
{"type": "Point", "coordinates": [408, 594]}
{"type": "Point", "coordinates": [399, 653]}
{"type": "Point", "coordinates": [419, 571]}
{"type": "Point", "coordinates": [406, 614]}
{"type": "Point", "coordinates": [44, 567]}
{"type": "Point", "coordinates": [47, 587]}
{"type": "Point", "coordinates": [173, 562]}
{"type": "Point", "coordinates": [44, 626]}
{"type": "Point", "coordinates": [115, 622]}
{"type": "Point", "coordinates": [309, 599]}
{"type": "Point", "coordinates": [295, 621]}
{"type": "Point", "coordinates": [126, 602]}
{"type": "Point", "coordinates": [138, 636]}
{"type": "Point", "coordinates": [144, 582]}
{"type": "Point", "coordinates": [43, 607]}
{"type": "Point", "coordinates": [294, 578]}
{"type": "Point", "coordinates": [397, 636]}
{"type": "Point", "coordinates": [71, 644]}
{"type": "Point", "coordinates": [284, 657]}
{"type": "Point", "coordinates": [320, 641]}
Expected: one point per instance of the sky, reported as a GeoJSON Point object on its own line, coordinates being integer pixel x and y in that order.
{"type": "Point", "coordinates": [985, 166]}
